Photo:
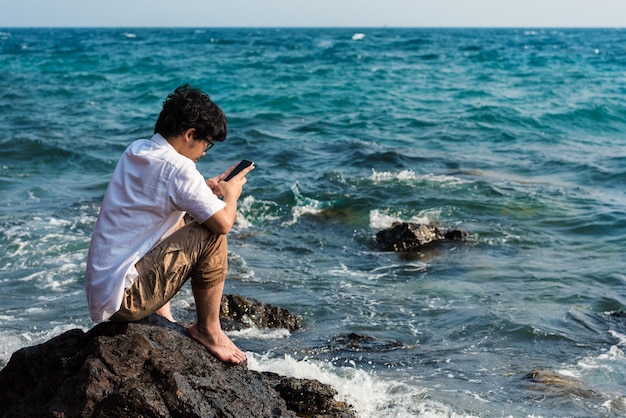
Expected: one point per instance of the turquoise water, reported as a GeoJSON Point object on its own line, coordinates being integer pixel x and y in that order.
{"type": "Point", "coordinates": [517, 136]}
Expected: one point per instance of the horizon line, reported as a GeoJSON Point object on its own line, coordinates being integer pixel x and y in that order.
{"type": "Point", "coordinates": [305, 27]}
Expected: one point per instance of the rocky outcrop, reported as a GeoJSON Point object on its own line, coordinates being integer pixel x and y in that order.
{"type": "Point", "coordinates": [238, 312]}
{"type": "Point", "coordinates": [151, 368]}
{"type": "Point", "coordinates": [408, 236]}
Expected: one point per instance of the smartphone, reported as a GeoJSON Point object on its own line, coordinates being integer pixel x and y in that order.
{"type": "Point", "coordinates": [243, 164]}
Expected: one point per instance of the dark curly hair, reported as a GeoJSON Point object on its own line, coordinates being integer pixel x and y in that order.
{"type": "Point", "coordinates": [187, 108]}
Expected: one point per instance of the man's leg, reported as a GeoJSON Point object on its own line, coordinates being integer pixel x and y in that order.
{"type": "Point", "coordinates": [208, 330]}
{"type": "Point", "coordinates": [207, 284]}
{"type": "Point", "coordinates": [191, 251]}
{"type": "Point", "coordinates": [165, 311]}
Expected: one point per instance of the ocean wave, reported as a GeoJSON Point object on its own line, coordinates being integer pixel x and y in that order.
{"type": "Point", "coordinates": [410, 175]}
{"type": "Point", "coordinates": [370, 396]}
{"type": "Point", "coordinates": [605, 117]}
{"type": "Point", "coordinates": [305, 205]}
{"type": "Point", "coordinates": [380, 219]}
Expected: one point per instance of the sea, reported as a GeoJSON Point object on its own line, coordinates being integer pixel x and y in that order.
{"type": "Point", "coordinates": [517, 136]}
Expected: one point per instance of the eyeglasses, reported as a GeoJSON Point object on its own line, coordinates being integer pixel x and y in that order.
{"type": "Point", "coordinates": [209, 144]}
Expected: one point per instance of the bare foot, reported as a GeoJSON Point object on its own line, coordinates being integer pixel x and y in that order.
{"type": "Point", "coordinates": [165, 312]}
{"type": "Point", "coordinates": [168, 317]}
{"type": "Point", "coordinates": [218, 344]}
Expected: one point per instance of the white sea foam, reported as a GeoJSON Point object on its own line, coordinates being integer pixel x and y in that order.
{"type": "Point", "coordinates": [59, 281]}
{"type": "Point", "coordinates": [241, 221]}
{"type": "Point", "coordinates": [369, 395]}
{"type": "Point", "coordinates": [243, 208]}
{"type": "Point", "coordinates": [614, 353]}
{"type": "Point", "coordinates": [620, 337]}
{"type": "Point", "coordinates": [254, 333]}
{"type": "Point", "coordinates": [380, 176]}
{"type": "Point", "coordinates": [251, 211]}
{"type": "Point", "coordinates": [239, 265]}
{"type": "Point", "coordinates": [595, 371]}
{"type": "Point", "coordinates": [410, 175]}
{"type": "Point", "coordinates": [304, 206]}
{"type": "Point", "coordinates": [13, 341]}
{"type": "Point", "coordinates": [9, 344]}
{"type": "Point", "coordinates": [377, 273]}
{"type": "Point", "coordinates": [380, 219]}
{"type": "Point", "coordinates": [298, 211]}
{"type": "Point", "coordinates": [343, 271]}
{"type": "Point", "coordinates": [52, 243]}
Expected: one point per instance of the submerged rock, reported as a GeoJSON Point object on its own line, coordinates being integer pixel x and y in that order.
{"type": "Point", "coordinates": [408, 236]}
{"type": "Point", "coordinates": [363, 343]}
{"type": "Point", "coordinates": [557, 384]}
{"type": "Point", "coordinates": [553, 381]}
{"type": "Point", "coordinates": [149, 368]}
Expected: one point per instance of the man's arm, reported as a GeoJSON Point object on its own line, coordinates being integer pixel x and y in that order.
{"type": "Point", "coordinates": [223, 220]}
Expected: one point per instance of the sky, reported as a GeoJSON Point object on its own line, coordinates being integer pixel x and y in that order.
{"type": "Point", "coordinates": [313, 13]}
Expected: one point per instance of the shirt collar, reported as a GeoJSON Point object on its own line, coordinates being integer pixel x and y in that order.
{"type": "Point", "coordinates": [161, 141]}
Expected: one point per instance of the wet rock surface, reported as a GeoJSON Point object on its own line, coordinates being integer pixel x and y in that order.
{"type": "Point", "coordinates": [408, 236]}
{"type": "Point", "coordinates": [554, 383]}
{"type": "Point", "coordinates": [152, 368]}
{"type": "Point", "coordinates": [363, 343]}
{"type": "Point", "coordinates": [238, 312]}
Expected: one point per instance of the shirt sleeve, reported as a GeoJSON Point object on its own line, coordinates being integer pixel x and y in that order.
{"type": "Point", "coordinates": [190, 193]}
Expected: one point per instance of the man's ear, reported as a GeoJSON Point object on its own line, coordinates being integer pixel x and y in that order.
{"type": "Point", "coordinates": [189, 133]}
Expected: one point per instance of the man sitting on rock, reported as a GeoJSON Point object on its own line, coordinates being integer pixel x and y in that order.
{"type": "Point", "coordinates": [144, 248]}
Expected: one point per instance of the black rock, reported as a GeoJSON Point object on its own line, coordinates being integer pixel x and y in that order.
{"type": "Point", "coordinates": [309, 398]}
{"type": "Point", "coordinates": [240, 312]}
{"type": "Point", "coordinates": [149, 368]}
{"type": "Point", "coordinates": [408, 236]}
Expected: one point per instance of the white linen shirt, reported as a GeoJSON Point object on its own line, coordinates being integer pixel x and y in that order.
{"type": "Point", "coordinates": [151, 189]}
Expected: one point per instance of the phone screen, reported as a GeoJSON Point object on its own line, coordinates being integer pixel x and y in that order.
{"type": "Point", "coordinates": [243, 164]}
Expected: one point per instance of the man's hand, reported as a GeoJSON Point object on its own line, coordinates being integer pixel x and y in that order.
{"type": "Point", "coordinates": [213, 185]}
{"type": "Point", "coordinates": [213, 182]}
{"type": "Point", "coordinates": [223, 220]}
{"type": "Point", "coordinates": [233, 187]}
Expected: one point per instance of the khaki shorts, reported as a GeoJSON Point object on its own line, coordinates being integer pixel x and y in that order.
{"type": "Point", "coordinates": [191, 252]}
